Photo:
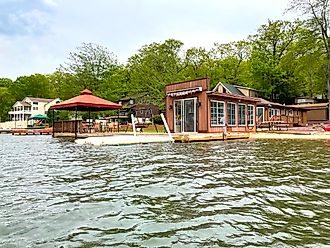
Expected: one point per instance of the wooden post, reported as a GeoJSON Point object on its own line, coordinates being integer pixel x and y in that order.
{"type": "Point", "coordinates": [75, 125]}
{"type": "Point", "coordinates": [53, 123]}
{"type": "Point", "coordinates": [166, 127]}
{"type": "Point", "coordinates": [118, 120]}
{"type": "Point", "coordinates": [89, 120]}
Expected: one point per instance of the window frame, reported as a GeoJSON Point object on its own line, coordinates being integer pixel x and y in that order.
{"type": "Point", "coordinates": [235, 104]}
{"type": "Point", "coordinates": [224, 113]}
{"type": "Point", "coordinates": [239, 116]}
{"type": "Point", "coordinates": [253, 115]}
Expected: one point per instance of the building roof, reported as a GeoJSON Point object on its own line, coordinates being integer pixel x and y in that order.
{"type": "Point", "coordinates": [229, 87]}
{"type": "Point", "coordinates": [25, 104]}
{"type": "Point", "coordinates": [233, 96]}
{"type": "Point", "coordinates": [264, 102]}
{"type": "Point", "coordinates": [37, 99]}
{"type": "Point", "coordinates": [310, 105]}
{"type": "Point", "coordinates": [247, 88]}
{"type": "Point", "coordinates": [86, 101]}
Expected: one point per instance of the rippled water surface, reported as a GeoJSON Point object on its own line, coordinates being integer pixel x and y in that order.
{"type": "Point", "coordinates": [55, 193]}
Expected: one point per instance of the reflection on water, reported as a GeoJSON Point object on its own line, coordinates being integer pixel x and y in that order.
{"type": "Point", "coordinates": [260, 193]}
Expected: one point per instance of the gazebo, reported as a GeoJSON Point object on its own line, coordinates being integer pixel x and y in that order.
{"type": "Point", "coordinates": [86, 101]}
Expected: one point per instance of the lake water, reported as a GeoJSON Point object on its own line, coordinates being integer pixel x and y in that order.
{"type": "Point", "coordinates": [248, 193]}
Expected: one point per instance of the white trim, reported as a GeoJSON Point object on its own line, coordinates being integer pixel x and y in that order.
{"type": "Point", "coordinates": [224, 114]}
{"type": "Point", "coordinates": [263, 113]}
{"type": "Point", "coordinates": [231, 125]}
{"type": "Point", "coordinates": [183, 113]}
{"type": "Point", "coordinates": [254, 115]}
{"type": "Point", "coordinates": [242, 125]}
{"type": "Point", "coordinates": [184, 92]}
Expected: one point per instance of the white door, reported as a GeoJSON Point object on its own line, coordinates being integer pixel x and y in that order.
{"type": "Point", "coordinates": [185, 115]}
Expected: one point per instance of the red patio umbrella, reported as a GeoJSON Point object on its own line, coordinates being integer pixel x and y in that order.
{"type": "Point", "coordinates": [86, 101]}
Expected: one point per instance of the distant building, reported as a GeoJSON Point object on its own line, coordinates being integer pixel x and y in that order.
{"type": "Point", "coordinates": [267, 111]}
{"type": "Point", "coordinates": [316, 112]}
{"type": "Point", "coordinates": [304, 100]}
{"type": "Point", "coordinates": [141, 106]}
{"type": "Point", "coordinates": [191, 106]}
{"type": "Point", "coordinates": [29, 106]}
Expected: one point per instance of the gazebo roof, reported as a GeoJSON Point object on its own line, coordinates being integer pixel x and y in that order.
{"type": "Point", "coordinates": [86, 101]}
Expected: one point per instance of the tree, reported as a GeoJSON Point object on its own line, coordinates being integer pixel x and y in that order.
{"type": "Point", "coordinates": [306, 59]}
{"type": "Point", "coordinates": [196, 63]}
{"type": "Point", "coordinates": [231, 62]}
{"type": "Point", "coordinates": [318, 12]}
{"type": "Point", "coordinates": [91, 64]}
{"type": "Point", "coordinates": [270, 46]}
{"type": "Point", "coordinates": [6, 102]}
{"type": "Point", "coordinates": [153, 67]}
{"type": "Point", "coordinates": [36, 85]}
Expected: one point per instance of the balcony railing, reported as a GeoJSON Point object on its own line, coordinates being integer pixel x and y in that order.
{"type": "Point", "coordinates": [20, 112]}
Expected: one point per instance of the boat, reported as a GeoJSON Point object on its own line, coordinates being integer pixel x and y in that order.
{"type": "Point", "coordinates": [326, 128]}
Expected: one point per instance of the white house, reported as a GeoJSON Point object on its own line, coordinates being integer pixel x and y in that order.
{"type": "Point", "coordinates": [30, 106]}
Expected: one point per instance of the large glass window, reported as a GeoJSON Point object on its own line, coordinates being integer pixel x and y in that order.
{"type": "Point", "coordinates": [241, 114]}
{"type": "Point", "coordinates": [217, 113]}
{"type": "Point", "coordinates": [231, 114]}
{"type": "Point", "coordinates": [273, 112]}
{"type": "Point", "coordinates": [261, 114]}
{"type": "Point", "coordinates": [251, 115]}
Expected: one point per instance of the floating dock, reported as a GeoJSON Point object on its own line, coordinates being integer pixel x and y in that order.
{"type": "Point", "coordinates": [124, 140]}
{"type": "Point", "coordinates": [129, 139]}
{"type": "Point", "coordinates": [202, 137]}
{"type": "Point", "coordinates": [5, 131]}
{"type": "Point", "coordinates": [46, 131]}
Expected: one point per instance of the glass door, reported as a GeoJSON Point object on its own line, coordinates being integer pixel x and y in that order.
{"type": "Point", "coordinates": [185, 115]}
{"type": "Point", "coordinates": [178, 116]}
{"type": "Point", "coordinates": [189, 115]}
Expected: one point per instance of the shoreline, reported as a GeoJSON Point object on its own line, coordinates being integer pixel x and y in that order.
{"type": "Point", "coordinates": [304, 136]}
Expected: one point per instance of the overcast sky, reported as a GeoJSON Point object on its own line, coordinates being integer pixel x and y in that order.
{"type": "Point", "coordinates": [36, 36]}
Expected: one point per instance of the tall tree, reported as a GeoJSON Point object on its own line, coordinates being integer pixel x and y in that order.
{"type": "Point", "coordinates": [231, 62]}
{"type": "Point", "coordinates": [197, 62]}
{"type": "Point", "coordinates": [91, 64]}
{"type": "Point", "coordinates": [36, 85]}
{"type": "Point", "coordinates": [154, 66]}
{"type": "Point", "coordinates": [6, 98]}
{"type": "Point", "coordinates": [270, 45]}
{"type": "Point", "coordinates": [319, 13]}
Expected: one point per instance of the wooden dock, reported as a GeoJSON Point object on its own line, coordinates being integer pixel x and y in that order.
{"type": "Point", "coordinates": [203, 137]}
{"type": "Point", "coordinates": [46, 131]}
{"type": "Point", "coordinates": [4, 131]}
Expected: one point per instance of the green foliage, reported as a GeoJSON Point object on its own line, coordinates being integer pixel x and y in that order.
{"type": "Point", "coordinates": [282, 59]}
{"type": "Point", "coordinates": [153, 67]}
{"type": "Point", "coordinates": [157, 119]}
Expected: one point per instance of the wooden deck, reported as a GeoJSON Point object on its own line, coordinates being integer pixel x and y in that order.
{"type": "Point", "coordinates": [178, 137]}
{"type": "Point", "coordinates": [203, 137]}
{"type": "Point", "coordinates": [46, 131]}
{"type": "Point", "coordinates": [5, 131]}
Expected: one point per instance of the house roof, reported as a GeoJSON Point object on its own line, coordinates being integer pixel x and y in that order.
{"type": "Point", "coordinates": [310, 105]}
{"type": "Point", "coordinates": [264, 102]}
{"type": "Point", "coordinates": [229, 87]}
{"type": "Point", "coordinates": [25, 104]}
{"type": "Point", "coordinates": [233, 96]}
{"type": "Point", "coordinates": [232, 89]}
{"type": "Point", "coordinates": [244, 87]}
{"type": "Point", "coordinates": [37, 99]}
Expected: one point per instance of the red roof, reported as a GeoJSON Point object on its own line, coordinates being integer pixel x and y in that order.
{"type": "Point", "coordinates": [86, 101]}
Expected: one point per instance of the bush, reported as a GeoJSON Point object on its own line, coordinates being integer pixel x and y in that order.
{"type": "Point", "coordinates": [157, 119]}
